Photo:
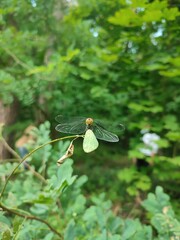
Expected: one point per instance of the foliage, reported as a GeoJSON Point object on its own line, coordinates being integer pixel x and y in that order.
{"type": "Point", "coordinates": [162, 215]}
{"type": "Point", "coordinates": [117, 60]}
{"type": "Point", "coordinates": [60, 203]}
{"type": "Point", "coordinates": [121, 55]}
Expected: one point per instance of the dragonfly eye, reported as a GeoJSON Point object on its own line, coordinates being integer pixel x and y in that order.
{"type": "Point", "coordinates": [89, 121]}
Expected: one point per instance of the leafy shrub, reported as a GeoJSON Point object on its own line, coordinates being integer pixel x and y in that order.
{"type": "Point", "coordinates": [57, 209]}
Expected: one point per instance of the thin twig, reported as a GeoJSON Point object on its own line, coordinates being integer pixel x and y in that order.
{"type": "Point", "coordinates": [4, 161]}
{"type": "Point", "coordinates": [19, 62]}
{"type": "Point", "coordinates": [10, 149]}
{"type": "Point", "coordinates": [20, 159]}
{"type": "Point", "coordinates": [31, 217]}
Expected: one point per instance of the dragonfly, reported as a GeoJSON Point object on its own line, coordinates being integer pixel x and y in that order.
{"type": "Point", "coordinates": [91, 128]}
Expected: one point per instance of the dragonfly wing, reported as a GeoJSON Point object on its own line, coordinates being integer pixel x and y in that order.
{"type": "Point", "coordinates": [105, 124]}
{"type": "Point", "coordinates": [72, 128]}
{"type": "Point", "coordinates": [74, 125]}
{"type": "Point", "coordinates": [90, 143]}
{"type": "Point", "coordinates": [62, 119]}
{"type": "Point", "coordinates": [103, 134]}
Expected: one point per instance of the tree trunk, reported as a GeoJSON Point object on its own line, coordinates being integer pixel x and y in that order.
{"type": "Point", "coordinates": [8, 116]}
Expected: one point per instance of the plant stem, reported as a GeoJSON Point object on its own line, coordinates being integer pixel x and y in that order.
{"type": "Point", "coordinates": [29, 154]}
{"type": "Point", "coordinates": [31, 217]}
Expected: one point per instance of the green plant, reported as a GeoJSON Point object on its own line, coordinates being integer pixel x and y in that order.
{"type": "Point", "coordinates": [57, 209]}
{"type": "Point", "coordinates": [162, 216]}
{"type": "Point", "coordinates": [124, 55]}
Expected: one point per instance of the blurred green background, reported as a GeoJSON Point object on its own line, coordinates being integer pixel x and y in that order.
{"type": "Point", "coordinates": [114, 60]}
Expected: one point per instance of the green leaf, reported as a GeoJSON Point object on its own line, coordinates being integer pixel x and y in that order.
{"type": "Point", "coordinates": [155, 203]}
{"type": "Point", "coordinates": [153, 15]}
{"type": "Point", "coordinates": [70, 231]}
{"type": "Point", "coordinates": [49, 236]}
{"type": "Point", "coordinates": [175, 61]}
{"type": "Point", "coordinates": [173, 136]}
{"type": "Point", "coordinates": [90, 215]}
{"type": "Point", "coordinates": [163, 143]}
{"type": "Point", "coordinates": [39, 209]}
{"type": "Point", "coordinates": [166, 225]}
{"type": "Point", "coordinates": [132, 190]}
{"type": "Point", "coordinates": [126, 17]}
{"type": "Point", "coordinates": [170, 73]}
{"type": "Point", "coordinates": [85, 75]}
{"type": "Point", "coordinates": [103, 235]}
{"type": "Point", "coordinates": [116, 224]}
{"type": "Point", "coordinates": [78, 205]}
{"type": "Point", "coordinates": [127, 174]}
{"type": "Point", "coordinates": [135, 154]}
{"type": "Point", "coordinates": [99, 92]}
{"type": "Point", "coordinates": [17, 223]}
{"type": "Point", "coordinates": [4, 219]}
{"type": "Point", "coordinates": [171, 13]}
{"type": "Point", "coordinates": [129, 229]}
{"type": "Point", "coordinates": [170, 122]}
{"type": "Point", "coordinates": [71, 54]}
{"type": "Point", "coordinates": [6, 235]}
{"type": "Point", "coordinates": [144, 183]}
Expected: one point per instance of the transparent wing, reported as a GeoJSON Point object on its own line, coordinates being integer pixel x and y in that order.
{"type": "Point", "coordinates": [111, 126]}
{"type": "Point", "coordinates": [74, 125]}
{"type": "Point", "coordinates": [61, 119]}
{"type": "Point", "coordinates": [102, 134]}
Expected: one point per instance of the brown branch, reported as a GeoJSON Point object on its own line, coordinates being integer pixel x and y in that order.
{"type": "Point", "coordinates": [20, 159]}
{"type": "Point", "coordinates": [30, 217]}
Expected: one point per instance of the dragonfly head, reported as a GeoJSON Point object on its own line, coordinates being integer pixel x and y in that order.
{"type": "Point", "coordinates": [89, 121]}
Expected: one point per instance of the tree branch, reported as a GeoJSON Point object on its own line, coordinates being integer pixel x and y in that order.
{"type": "Point", "coordinates": [30, 217]}
{"type": "Point", "coordinates": [20, 159]}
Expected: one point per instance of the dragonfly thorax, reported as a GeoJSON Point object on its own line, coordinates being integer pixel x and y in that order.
{"type": "Point", "coordinates": [89, 121]}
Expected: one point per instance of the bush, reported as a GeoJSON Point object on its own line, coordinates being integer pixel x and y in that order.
{"type": "Point", "coordinates": [57, 209]}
